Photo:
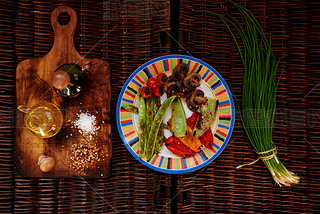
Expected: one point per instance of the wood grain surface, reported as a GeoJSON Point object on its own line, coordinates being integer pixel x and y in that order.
{"type": "Point", "coordinates": [33, 85]}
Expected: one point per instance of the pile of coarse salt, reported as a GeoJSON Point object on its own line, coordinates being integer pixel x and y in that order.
{"type": "Point", "coordinates": [86, 123]}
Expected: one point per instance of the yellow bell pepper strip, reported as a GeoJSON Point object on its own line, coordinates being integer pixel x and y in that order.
{"type": "Point", "coordinates": [191, 142]}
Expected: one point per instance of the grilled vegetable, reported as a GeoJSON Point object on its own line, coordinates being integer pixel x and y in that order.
{"type": "Point", "coordinates": [161, 138]}
{"type": "Point", "coordinates": [180, 71]}
{"type": "Point", "coordinates": [131, 108]}
{"type": "Point", "coordinates": [158, 91]}
{"type": "Point", "coordinates": [165, 126]}
{"type": "Point", "coordinates": [150, 112]}
{"type": "Point", "coordinates": [142, 128]}
{"type": "Point", "coordinates": [191, 121]}
{"type": "Point", "coordinates": [153, 133]}
{"type": "Point", "coordinates": [152, 83]}
{"type": "Point", "coordinates": [175, 83]}
{"type": "Point", "coordinates": [192, 81]}
{"type": "Point", "coordinates": [162, 78]}
{"type": "Point", "coordinates": [174, 145]}
{"type": "Point", "coordinates": [195, 99]}
{"type": "Point", "coordinates": [179, 122]}
{"type": "Point", "coordinates": [206, 118]}
{"type": "Point", "coordinates": [207, 138]}
{"type": "Point", "coordinates": [175, 88]}
{"type": "Point", "coordinates": [192, 143]}
{"type": "Point", "coordinates": [146, 91]}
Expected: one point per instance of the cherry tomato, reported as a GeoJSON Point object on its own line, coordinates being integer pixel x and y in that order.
{"type": "Point", "coordinates": [145, 91]}
{"type": "Point", "coordinates": [158, 91]}
{"type": "Point", "coordinates": [162, 78]}
{"type": "Point", "coordinates": [152, 83]}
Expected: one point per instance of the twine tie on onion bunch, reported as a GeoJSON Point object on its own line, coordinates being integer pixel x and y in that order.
{"type": "Point", "coordinates": [263, 158]}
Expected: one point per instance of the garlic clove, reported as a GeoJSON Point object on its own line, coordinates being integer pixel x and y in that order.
{"type": "Point", "coordinates": [46, 163]}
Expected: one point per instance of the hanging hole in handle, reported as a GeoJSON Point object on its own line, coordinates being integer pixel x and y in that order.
{"type": "Point", "coordinates": [64, 18]}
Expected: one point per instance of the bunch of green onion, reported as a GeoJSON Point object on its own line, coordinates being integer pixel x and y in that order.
{"type": "Point", "coordinates": [260, 85]}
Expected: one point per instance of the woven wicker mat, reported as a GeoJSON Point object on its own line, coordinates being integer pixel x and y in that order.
{"type": "Point", "coordinates": [220, 187]}
{"type": "Point", "coordinates": [138, 37]}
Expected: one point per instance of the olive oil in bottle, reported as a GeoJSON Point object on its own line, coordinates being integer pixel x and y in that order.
{"type": "Point", "coordinates": [69, 80]}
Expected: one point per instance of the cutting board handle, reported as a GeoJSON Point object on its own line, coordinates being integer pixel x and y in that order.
{"type": "Point", "coordinates": [63, 34]}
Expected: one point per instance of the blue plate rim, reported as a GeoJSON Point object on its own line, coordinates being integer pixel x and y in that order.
{"type": "Point", "coordinates": [171, 171]}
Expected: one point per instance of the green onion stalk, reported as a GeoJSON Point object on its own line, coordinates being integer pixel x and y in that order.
{"type": "Point", "coordinates": [260, 85]}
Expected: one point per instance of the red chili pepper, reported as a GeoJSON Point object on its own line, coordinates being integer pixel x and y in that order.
{"type": "Point", "coordinates": [174, 145]}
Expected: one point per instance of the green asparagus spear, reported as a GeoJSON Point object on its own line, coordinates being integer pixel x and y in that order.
{"type": "Point", "coordinates": [156, 126]}
{"type": "Point", "coordinates": [142, 127]}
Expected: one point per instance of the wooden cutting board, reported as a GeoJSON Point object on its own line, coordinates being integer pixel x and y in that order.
{"type": "Point", "coordinates": [33, 85]}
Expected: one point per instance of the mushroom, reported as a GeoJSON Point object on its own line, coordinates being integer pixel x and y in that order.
{"type": "Point", "coordinates": [187, 91]}
{"type": "Point", "coordinates": [175, 89]}
{"type": "Point", "coordinates": [195, 100]}
{"type": "Point", "coordinates": [169, 83]}
{"type": "Point", "coordinates": [192, 80]}
{"type": "Point", "coordinates": [180, 71]}
{"type": "Point", "coordinates": [46, 163]}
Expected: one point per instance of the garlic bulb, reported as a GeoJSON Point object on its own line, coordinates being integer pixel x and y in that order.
{"type": "Point", "coordinates": [46, 163]}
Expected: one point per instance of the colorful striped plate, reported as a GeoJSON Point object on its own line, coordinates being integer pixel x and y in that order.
{"type": "Point", "coordinates": [212, 84]}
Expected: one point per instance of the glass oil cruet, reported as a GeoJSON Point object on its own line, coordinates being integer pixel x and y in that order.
{"type": "Point", "coordinates": [69, 80]}
{"type": "Point", "coordinates": [43, 119]}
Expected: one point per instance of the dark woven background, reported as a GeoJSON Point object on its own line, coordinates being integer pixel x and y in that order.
{"type": "Point", "coordinates": [140, 35]}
